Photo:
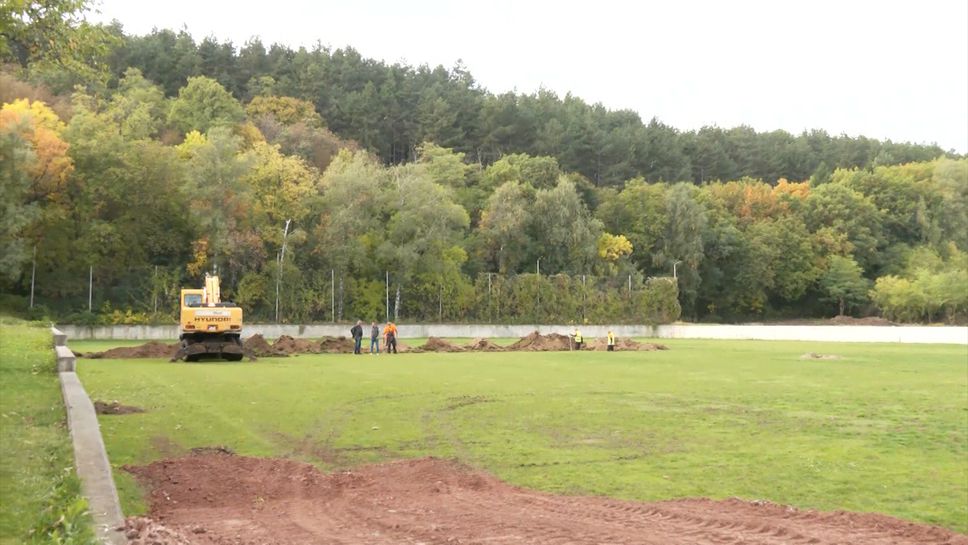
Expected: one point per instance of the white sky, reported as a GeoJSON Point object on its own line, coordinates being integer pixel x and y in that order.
{"type": "Point", "coordinates": [885, 69]}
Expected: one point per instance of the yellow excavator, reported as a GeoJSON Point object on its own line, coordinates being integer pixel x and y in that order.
{"type": "Point", "coordinates": [210, 328]}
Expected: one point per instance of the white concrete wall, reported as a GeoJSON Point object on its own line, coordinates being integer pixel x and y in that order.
{"type": "Point", "coordinates": [824, 333]}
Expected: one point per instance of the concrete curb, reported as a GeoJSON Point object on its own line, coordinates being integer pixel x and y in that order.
{"type": "Point", "coordinates": [90, 456]}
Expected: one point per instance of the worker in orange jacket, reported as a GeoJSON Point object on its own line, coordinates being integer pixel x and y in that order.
{"type": "Point", "coordinates": [390, 338]}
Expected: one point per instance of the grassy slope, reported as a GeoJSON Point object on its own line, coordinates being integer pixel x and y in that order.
{"type": "Point", "coordinates": [885, 429]}
{"type": "Point", "coordinates": [37, 480]}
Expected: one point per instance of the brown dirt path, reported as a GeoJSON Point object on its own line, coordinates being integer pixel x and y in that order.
{"type": "Point", "coordinates": [220, 499]}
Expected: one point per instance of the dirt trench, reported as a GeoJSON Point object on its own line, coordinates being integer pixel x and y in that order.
{"type": "Point", "coordinates": [221, 499]}
{"type": "Point", "coordinates": [257, 345]}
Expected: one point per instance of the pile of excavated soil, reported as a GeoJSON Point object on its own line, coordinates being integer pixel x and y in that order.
{"type": "Point", "coordinates": [336, 345]}
{"type": "Point", "coordinates": [536, 342]}
{"type": "Point", "coordinates": [436, 344]}
{"type": "Point", "coordinates": [291, 345]}
{"type": "Point", "coordinates": [850, 320]}
{"type": "Point", "coordinates": [484, 345]}
{"type": "Point", "coordinates": [220, 499]}
{"type": "Point", "coordinates": [103, 407]}
{"type": "Point", "coordinates": [259, 347]}
{"type": "Point", "coordinates": [151, 349]}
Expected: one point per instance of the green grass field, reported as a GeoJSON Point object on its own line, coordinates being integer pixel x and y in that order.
{"type": "Point", "coordinates": [40, 498]}
{"type": "Point", "coordinates": [883, 429]}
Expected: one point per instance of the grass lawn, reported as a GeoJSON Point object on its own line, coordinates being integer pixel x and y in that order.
{"type": "Point", "coordinates": [40, 498]}
{"type": "Point", "coordinates": [883, 429]}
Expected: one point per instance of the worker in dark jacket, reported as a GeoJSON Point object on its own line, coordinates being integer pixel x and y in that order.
{"type": "Point", "coordinates": [374, 338]}
{"type": "Point", "coordinates": [357, 332]}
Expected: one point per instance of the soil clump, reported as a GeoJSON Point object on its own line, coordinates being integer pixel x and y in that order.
{"type": "Point", "coordinates": [145, 531]}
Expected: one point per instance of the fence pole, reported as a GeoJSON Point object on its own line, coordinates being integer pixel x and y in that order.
{"type": "Point", "coordinates": [154, 292]}
{"type": "Point", "coordinates": [33, 277]}
{"type": "Point", "coordinates": [388, 295]}
{"type": "Point", "coordinates": [332, 294]}
{"type": "Point", "coordinates": [90, 288]}
{"type": "Point", "coordinates": [282, 257]}
{"type": "Point", "coordinates": [583, 290]}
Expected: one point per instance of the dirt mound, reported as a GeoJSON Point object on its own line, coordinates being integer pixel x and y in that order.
{"type": "Point", "coordinates": [290, 345]}
{"type": "Point", "coordinates": [151, 349]}
{"type": "Point", "coordinates": [336, 345]}
{"type": "Point", "coordinates": [850, 320]}
{"type": "Point", "coordinates": [484, 345]}
{"type": "Point", "coordinates": [220, 499]}
{"type": "Point", "coordinates": [259, 347]}
{"type": "Point", "coordinates": [436, 344]}
{"type": "Point", "coordinates": [536, 342]}
{"type": "Point", "coordinates": [103, 407]}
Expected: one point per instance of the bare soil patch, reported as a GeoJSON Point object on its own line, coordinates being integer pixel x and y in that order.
{"type": "Point", "coordinates": [222, 499]}
{"type": "Point", "coordinates": [114, 407]}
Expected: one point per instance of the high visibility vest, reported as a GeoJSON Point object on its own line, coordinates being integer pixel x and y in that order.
{"type": "Point", "coordinates": [577, 336]}
{"type": "Point", "coordinates": [611, 338]}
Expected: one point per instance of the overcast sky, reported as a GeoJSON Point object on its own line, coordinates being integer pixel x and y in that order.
{"type": "Point", "coordinates": [883, 69]}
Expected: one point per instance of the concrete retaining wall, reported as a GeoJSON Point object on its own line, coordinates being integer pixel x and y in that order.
{"type": "Point", "coordinates": [822, 333]}
{"type": "Point", "coordinates": [90, 456]}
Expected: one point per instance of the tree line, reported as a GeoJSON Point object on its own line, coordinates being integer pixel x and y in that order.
{"type": "Point", "coordinates": [414, 190]}
{"type": "Point", "coordinates": [390, 109]}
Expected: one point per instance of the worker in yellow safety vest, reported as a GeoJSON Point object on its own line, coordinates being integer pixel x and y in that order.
{"type": "Point", "coordinates": [611, 341]}
{"type": "Point", "coordinates": [577, 339]}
